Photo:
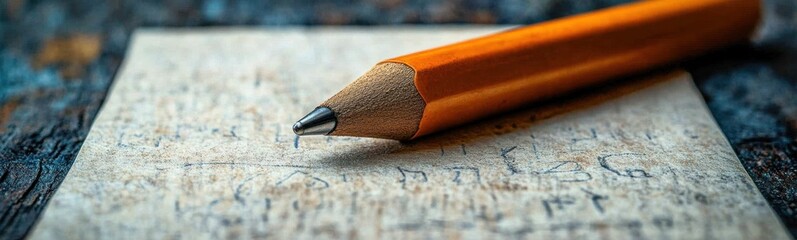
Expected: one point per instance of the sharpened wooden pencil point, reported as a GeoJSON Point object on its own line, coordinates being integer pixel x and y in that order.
{"type": "Point", "coordinates": [383, 103]}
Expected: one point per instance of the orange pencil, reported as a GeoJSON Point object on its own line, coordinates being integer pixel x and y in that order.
{"type": "Point", "coordinates": [417, 94]}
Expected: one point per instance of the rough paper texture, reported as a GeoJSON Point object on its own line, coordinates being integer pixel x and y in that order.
{"type": "Point", "coordinates": [195, 142]}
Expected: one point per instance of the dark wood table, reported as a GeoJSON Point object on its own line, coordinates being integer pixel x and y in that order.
{"type": "Point", "coordinates": [58, 59]}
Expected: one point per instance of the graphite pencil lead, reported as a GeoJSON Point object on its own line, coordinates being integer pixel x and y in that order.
{"type": "Point", "coordinates": [321, 121]}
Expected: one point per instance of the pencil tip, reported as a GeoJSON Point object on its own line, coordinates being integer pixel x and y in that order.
{"type": "Point", "coordinates": [321, 121]}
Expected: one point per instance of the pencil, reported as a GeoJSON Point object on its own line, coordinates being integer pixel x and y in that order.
{"type": "Point", "coordinates": [421, 93]}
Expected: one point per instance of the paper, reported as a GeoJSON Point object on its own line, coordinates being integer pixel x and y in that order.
{"type": "Point", "coordinates": [195, 142]}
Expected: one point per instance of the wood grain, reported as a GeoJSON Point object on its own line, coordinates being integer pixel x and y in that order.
{"type": "Point", "coordinates": [196, 143]}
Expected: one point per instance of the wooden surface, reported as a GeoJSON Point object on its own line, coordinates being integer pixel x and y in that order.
{"type": "Point", "coordinates": [43, 122]}
{"type": "Point", "coordinates": [197, 143]}
{"type": "Point", "coordinates": [45, 113]}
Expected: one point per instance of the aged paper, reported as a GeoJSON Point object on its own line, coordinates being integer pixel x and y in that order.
{"type": "Point", "coordinates": [194, 142]}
